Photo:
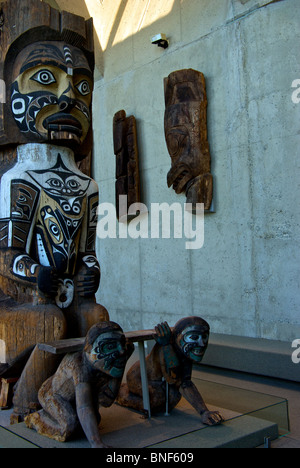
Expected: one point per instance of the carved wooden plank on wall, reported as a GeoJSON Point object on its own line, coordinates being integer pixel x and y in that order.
{"type": "Point", "coordinates": [127, 162]}
{"type": "Point", "coordinates": [186, 136]}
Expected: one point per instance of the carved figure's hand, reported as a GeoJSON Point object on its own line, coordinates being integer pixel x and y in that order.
{"type": "Point", "coordinates": [163, 334]}
{"type": "Point", "coordinates": [48, 280]}
{"type": "Point", "coordinates": [211, 418]}
{"type": "Point", "coordinates": [88, 281]}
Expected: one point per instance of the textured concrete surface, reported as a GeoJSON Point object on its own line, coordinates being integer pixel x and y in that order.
{"type": "Point", "coordinates": [244, 279]}
{"type": "Point", "coordinates": [256, 356]}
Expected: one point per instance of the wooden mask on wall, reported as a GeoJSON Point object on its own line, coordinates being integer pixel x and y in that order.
{"type": "Point", "coordinates": [47, 65]}
{"type": "Point", "coordinates": [186, 136]}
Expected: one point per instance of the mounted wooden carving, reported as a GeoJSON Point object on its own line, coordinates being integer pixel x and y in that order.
{"type": "Point", "coordinates": [127, 162]}
{"type": "Point", "coordinates": [49, 272]}
{"type": "Point", "coordinates": [186, 136]}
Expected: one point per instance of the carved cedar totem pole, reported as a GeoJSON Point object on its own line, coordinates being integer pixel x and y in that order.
{"type": "Point", "coordinates": [49, 272]}
{"type": "Point", "coordinates": [83, 383]}
{"type": "Point", "coordinates": [186, 136]}
{"type": "Point", "coordinates": [171, 360]}
{"type": "Point", "coordinates": [127, 162]}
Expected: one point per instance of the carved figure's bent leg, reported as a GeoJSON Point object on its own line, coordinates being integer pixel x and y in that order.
{"type": "Point", "coordinates": [57, 420]}
{"type": "Point", "coordinates": [157, 393]}
{"type": "Point", "coordinates": [131, 394]}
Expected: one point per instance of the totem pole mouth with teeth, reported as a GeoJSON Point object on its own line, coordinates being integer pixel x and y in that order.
{"type": "Point", "coordinates": [51, 94]}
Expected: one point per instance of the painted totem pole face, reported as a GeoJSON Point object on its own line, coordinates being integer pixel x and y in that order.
{"type": "Point", "coordinates": [193, 342]}
{"type": "Point", "coordinates": [108, 353]}
{"type": "Point", "coordinates": [51, 94]}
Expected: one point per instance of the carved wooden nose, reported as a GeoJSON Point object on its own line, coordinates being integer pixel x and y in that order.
{"type": "Point", "coordinates": [66, 104]}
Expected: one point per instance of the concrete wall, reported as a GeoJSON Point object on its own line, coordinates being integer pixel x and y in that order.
{"type": "Point", "coordinates": [245, 279]}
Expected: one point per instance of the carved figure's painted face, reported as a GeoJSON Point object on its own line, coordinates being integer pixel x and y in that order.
{"type": "Point", "coordinates": [108, 353]}
{"type": "Point", "coordinates": [51, 93]}
{"type": "Point", "coordinates": [193, 342]}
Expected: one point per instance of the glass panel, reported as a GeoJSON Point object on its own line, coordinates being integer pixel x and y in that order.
{"type": "Point", "coordinates": [246, 406]}
{"type": "Point", "coordinates": [246, 402]}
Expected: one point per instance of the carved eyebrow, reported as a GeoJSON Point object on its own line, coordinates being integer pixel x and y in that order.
{"type": "Point", "coordinates": [83, 71]}
{"type": "Point", "coordinates": [76, 71]}
{"type": "Point", "coordinates": [39, 62]}
{"type": "Point", "coordinates": [52, 55]}
{"type": "Point", "coordinates": [43, 53]}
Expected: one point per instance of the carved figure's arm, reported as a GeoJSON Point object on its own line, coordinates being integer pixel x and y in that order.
{"type": "Point", "coordinates": [190, 392]}
{"type": "Point", "coordinates": [89, 273]}
{"type": "Point", "coordinates": [86, 414]}
{"type": "Point", "coordinates": [19, 267]}
{"type": "Point", "coordinates": [109, 393]}
{"type": "Point", "coordinates": [16, 235]}
{"type": "Point", "coordinates": [169, 361]}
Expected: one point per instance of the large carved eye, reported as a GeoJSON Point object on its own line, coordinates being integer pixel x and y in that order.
{"type": "Point", "coordinates": [195, 337]}
{"type": "Point", "coordinates": [84, 88]}
{"type": "Point", "coordinates": [108, 348]}
{"type": "Point", "coordinates": [73, 184]}
{"type": "Point", "coordinates": [44, 77]}
{"type": "Point", "coordinates": [55, 183]}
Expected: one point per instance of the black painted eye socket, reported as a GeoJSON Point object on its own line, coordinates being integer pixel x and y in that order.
{"type": "Point", "coordinates": [194, 337]}
{"type": "Point", "coordinates": [44, 77]}
{"type": "Point", "coordinates": [84, 88]}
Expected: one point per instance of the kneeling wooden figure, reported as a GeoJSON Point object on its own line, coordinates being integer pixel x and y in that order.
{"type": "Point", "coordinates": [83, 383]}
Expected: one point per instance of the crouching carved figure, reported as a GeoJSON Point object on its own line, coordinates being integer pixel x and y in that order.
{"type": "Point", "coordinates": [84, 382]}
{"type": "Point", "coordinates": [49, 272]}
{"type": "Point", "coordinates": [171, 361]}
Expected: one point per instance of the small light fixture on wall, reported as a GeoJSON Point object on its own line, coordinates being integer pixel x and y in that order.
{"type": "Point", "coordinates": [160, 40]}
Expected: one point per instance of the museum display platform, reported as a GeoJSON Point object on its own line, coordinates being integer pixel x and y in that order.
{"type": "Point", "coordinates": [251, 419]}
